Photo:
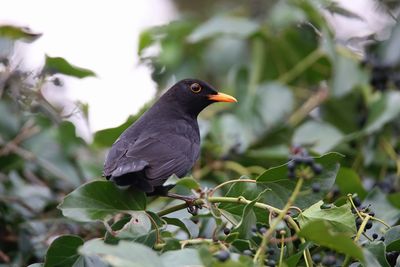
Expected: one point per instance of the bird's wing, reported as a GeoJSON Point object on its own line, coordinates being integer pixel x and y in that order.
{"type": "Point", "coordinates": [117, 164]}
{"type": "Point", "coordinates": [165, 156]}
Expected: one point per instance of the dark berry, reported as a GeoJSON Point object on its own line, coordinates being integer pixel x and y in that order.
{"type": "Point", "coordinates": [316, 187]}
{"type": "Point", "coordinates": [329, 260]}
{"type": "Point", "coordinates": [368, 225]}
{"type": "Point", "coordinates": [227, 231]}
{"type": "Point", "coordinates": [317, 258]}
{"type": "Point", "coordinates": [270, 251]}
{"type": "Point", "coordinates": [374, 236]}
{"type": "Point", "coordinates": [382, 238]}
{"type": "Point", "coordinates": [317, 168]}
{"type": "Point", "coordinates": [223, 255]}
{"type": "Point", "coordinates": [308, 161]}
{"type": "Point", "coordinates": [247, 252]}
{"type": "Point", "coordinates": [371, 213]}
{"type": "Point", "coordinates": [263, 230]}
{"type": "Point", "coordinates": [357, 201]}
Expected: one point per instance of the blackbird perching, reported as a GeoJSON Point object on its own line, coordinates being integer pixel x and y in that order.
{"type": "Point", "coordinates": [164, 141]}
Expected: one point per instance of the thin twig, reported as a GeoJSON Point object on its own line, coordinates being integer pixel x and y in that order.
{"type": "Point", "coordinates": [212, 191]}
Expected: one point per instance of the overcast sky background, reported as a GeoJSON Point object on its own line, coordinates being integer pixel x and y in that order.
{"type": "Point", "coordinates": [103, 36]}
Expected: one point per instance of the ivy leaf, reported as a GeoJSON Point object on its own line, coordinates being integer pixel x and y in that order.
{"type": "Point", "coordinates": [100, 200]}
{"type": "Point", "coordinates": [341, 218]}
{"type": "Point", "coordinates": [185, 224]}
{"type": "Point", "coordinates": [248, 219]}
{"type": "Point", "coordinates": [378, 251]}
{"type": "Point", "coordinates": [236, 26]}
{"type": "Point", "coordinates": [250, 191]}
{"type": "Point", "coordinates": [383, 111]}
{"type": "Point", "coordinates": [323, 233]}
{"type": "Point", "coordinates": [320, 135]}
{"type": "Point", "coordinates": [129, 229]}
{"type": "Point", "coordinates": [59, 65]}
{"type": "Point", "coordinates": [349, 181]}
{"type": "Point", "coordinates": [281, 186]}
{"type": "Point", "coordinates": [392, 239]}
{"type": "Point", "coordinates": [138, 225]}
{"type": "Point", "coordinates": [181, 258]}
{"type": "Point", "coordinates": [63, 251]}
{"type": "Point", "coordinates": [187, 182]}
{"type": "Point", "coordinates": [124, 254]}
{"type": "Point", "coordinates": [384, 210]}
{"type": "Point", "coordinates": [18, 33]}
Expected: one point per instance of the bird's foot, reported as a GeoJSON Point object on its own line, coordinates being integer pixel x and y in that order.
{"type": "Point", "coordinates": [192, 206]}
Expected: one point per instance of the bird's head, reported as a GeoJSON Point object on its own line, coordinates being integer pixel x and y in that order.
{"type": "Point", "coordinates": [194, 95]}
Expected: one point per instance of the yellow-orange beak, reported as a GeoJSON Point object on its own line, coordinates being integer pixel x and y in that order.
{"type": "Point", "coordinates": [220, 97]}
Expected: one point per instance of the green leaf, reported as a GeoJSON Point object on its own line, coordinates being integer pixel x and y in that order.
{"type": "Point", "coordinates": [346, 74]}
{"type": "Point", "coordinates": [349, 182]}
{"type": "Point", "coordinates": [323, 233]}
{"type": "Point", "coordinates": [59, 65]}
{"type": "Point", "coordinates": [281, 186]}
{"type": "Point", "coordinates": [293, 260]}
{"type": "Point", "coordinates": [18, 33]}
{"type": "Point", "coordinates": [378, 251]}
{"type": "Point", "coordinates": [63, 251]}
{"type": "Point", "coordinates": [383, 209]}
{"type": "Point", "coordinates": [145, 40]}
{"type": "Point", "coordinates": [320, 136]}
{"type": "Point", "coordinates": [181, 258]}
{"type": "Point", "coordinates": [341, 219]}
{"type": "Point", "coordinates": [138, 225]}
{"type": "Point", "coordinates": [187, 182]}
{"type": "Point", "coordinates": [247, 221]}
{"type": "Point", "coordinates": [271, 111]}
{"type": "Point", "coordinates": [185, 224]}
{"type": "Point", "coordinates": [250, 191]}
{"type": "Point", "coordinates": [100, 200]}
{"type": "Point", "coordinates": [392, 239]}
{"type": "Point", "coordinates": [382, 111]}
{"type": "Point", "coordinates": [389, 49]}
{"type": "Point", "coordinates": [124, 254]}
{"type": "Point", "coordinates": [236, 26]}
{"type": "Point", "coordinates": [129, 229]}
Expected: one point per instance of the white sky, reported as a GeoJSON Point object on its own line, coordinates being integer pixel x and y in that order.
{"type": "Point", "coordinates": [101, 36]}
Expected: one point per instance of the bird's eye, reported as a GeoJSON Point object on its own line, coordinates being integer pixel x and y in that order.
{"type": "Point", "coordinates": [195, 87]}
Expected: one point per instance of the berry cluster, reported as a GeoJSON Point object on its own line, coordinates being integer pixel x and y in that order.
{"type": "Point", "coordinates": [382, 75]}
{"type": "Point", "coordinates": [328, 259]}
{"type": "Point", "coordinates": [358, 204]}
{"type": "Point", "coordinates": [301, 159]}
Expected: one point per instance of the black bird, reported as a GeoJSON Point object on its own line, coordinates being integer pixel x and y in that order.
{"type": "Point", "coordinates": [164, 141]}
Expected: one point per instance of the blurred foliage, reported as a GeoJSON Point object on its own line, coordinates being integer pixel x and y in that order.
{"type": "Point", "coordinates": [298, 91]}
